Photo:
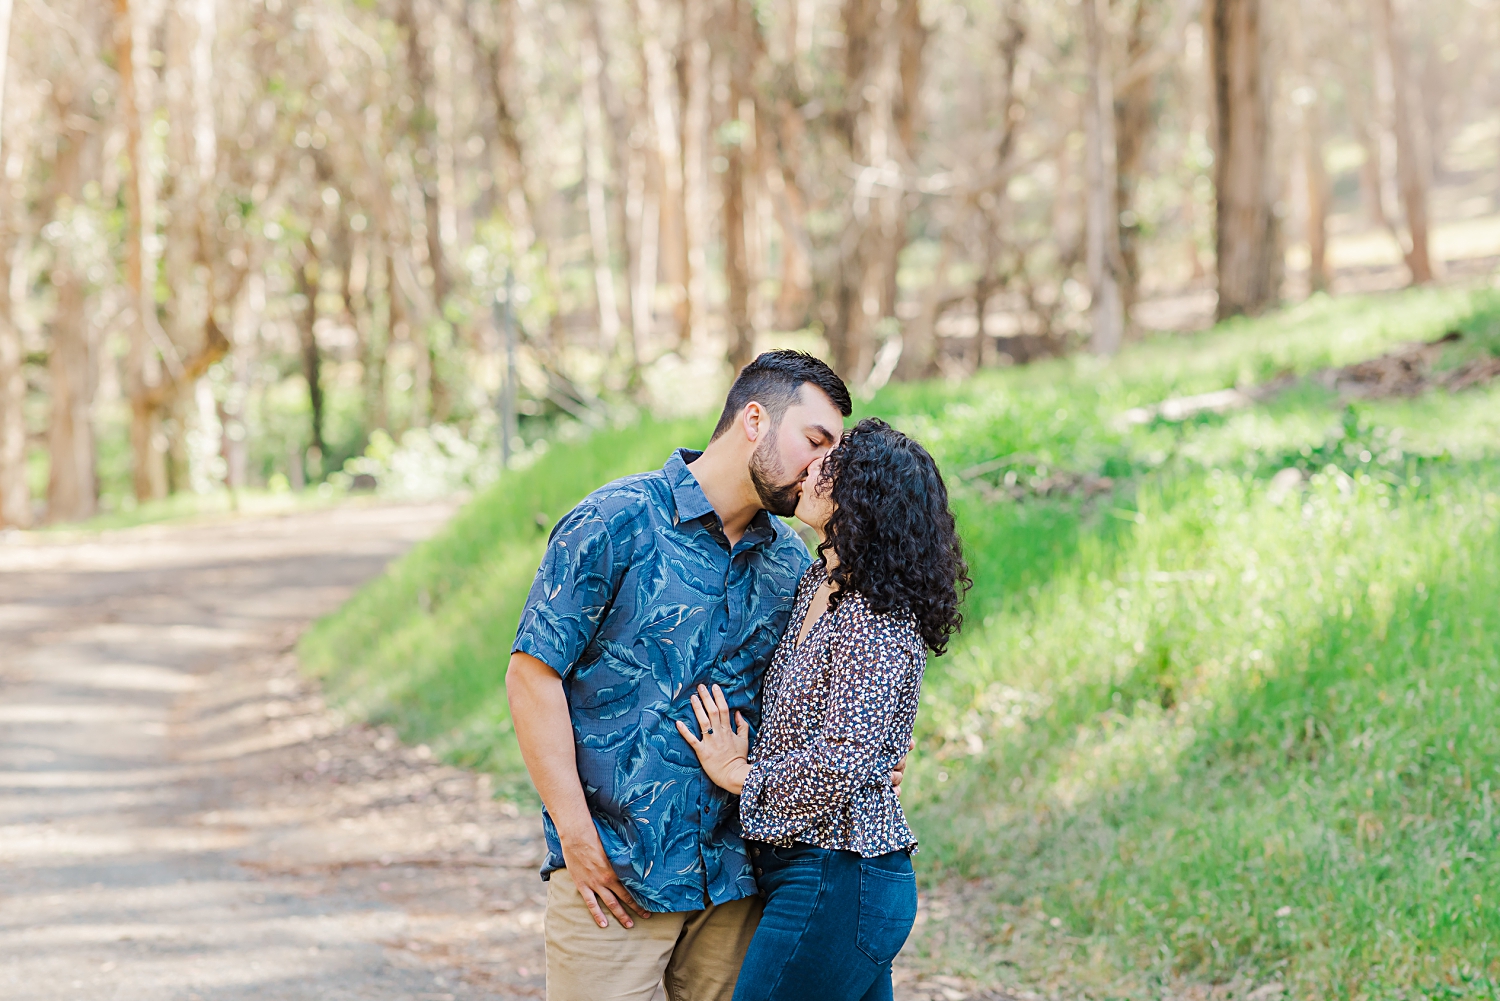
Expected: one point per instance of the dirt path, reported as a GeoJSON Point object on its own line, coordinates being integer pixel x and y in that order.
{"type": "Point", "coordinates": [180, 817]}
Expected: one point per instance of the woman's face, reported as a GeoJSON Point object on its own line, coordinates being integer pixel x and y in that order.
{"type": "Point", "coordinates": [814, 508]}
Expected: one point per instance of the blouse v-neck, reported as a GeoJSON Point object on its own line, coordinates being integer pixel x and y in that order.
{"type": "Point", "coordinates": [799, 638]}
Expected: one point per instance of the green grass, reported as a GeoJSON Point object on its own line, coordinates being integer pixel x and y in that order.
{"type": "Point", "coordinates": [1198, 728]}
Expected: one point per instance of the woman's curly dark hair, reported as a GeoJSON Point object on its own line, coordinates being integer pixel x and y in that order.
{"type": "Point", "coordinates": [892, 531]}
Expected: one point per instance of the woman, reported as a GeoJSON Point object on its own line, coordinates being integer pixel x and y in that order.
{"type": "Point", "coordinates": [830, 844]}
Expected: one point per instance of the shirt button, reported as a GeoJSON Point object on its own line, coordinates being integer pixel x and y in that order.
{"type": "Point", "coordinates": [759, 871]}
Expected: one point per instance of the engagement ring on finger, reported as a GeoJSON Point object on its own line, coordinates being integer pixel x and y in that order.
{"type": "Point", "coordinates": [708, 731]}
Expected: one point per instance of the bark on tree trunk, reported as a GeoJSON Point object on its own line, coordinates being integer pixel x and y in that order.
{"type": "Point", "coordinates": [496, 57]}
{"type": "Point", "coordinates": [739, 48]}
{"type": "Point", "coordinates": [693, 95]}
{"type": "Point", "coordinates": [910, 44]}
{"type": "Point", "coordinates": [72, 490]}
{"type": "Point", "coordinates": [192, 153]}
{"type": "Point", "coordinates": [1411, 180]}
{"type": "Point", "coordinates": [1317, 198]}
{"type": "Point", "coordinates": [882, 69]}
{"type": "Point", "coordinates": [621, 116]}
{"type": "Point", "coordinates": [142, 366]}
{"type": "Point", "coordinates": [1247, 239]}
{"type": "Point", "coordinates": [919, 352]}
{"type": "Point", "coordinates": [794, 296]}
{"type": "Point", "coordinates": [381, 402]}
{"type": "Point", "coordinates": [423, 126]}
{"type": "Point", "coordinates": [1102, 251]}
{"type": "Point", "coordinates": [1132, 114]}
{"type": "Point", "coordinates": [308, 277]}
{"type": "Point", "coordinates": [1314, 173]}
{"type": "Point", "coordinates": [15, 496]}
{"type": "Point", "coordinates": [596, 170]}
{"type": "Point", "coordinates": [672, 237]}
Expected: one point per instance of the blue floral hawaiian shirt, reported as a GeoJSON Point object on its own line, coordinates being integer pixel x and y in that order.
{"type": "Point", "coordinates": [639, 599]}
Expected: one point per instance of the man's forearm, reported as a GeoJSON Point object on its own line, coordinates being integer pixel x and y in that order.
{"type": "Point", "coordinates": [544, 729]}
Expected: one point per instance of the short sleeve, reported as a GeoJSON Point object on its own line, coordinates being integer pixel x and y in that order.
{"type": "Point", "coordinates": [572, 591]}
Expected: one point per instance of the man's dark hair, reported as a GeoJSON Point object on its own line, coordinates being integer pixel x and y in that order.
{"type": "Point", "coordinates": [773, 379]}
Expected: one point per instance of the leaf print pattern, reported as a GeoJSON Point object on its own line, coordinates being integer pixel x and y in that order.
{"type": "Point", "coordinates": [638, 600]}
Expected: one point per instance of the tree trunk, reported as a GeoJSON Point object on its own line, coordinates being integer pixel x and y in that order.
{"type": "Point", "coordinates": [1132, 126]}
{"type": "Point", "coordinates": [372, 340]}
{"type": "Point", "coordinates": [423, 128]}
{"type": "Point", "coordinates": [1314, 172]}
{"type": "Point", "coordinates": [192, 154]}
{"type": "Point", "coordinates": [622, 115]}
{"type": "Point", "coordinates": [672, 240]}
{"type": "Point", "coordinates": [694, 88]}
{"type": "Point", "coordinates": [1317, 197]}
{"type": "Point", "coordinates": [496, 57]}
{"type": "Point", "coordinates": [143, 373]}
{"type": "Point", "coordinates": [308, 277]}
{"type": "Point", "coordinates": [72, 490]}
{"type": "Point", "coordinates": [1102, 250]}
{"type": "Point", "coordinates": [919, 350]}
{"type": "Point", "coordinates": [15, 495]}
{"type": "Point", "coordinates": [738, 50]}
{"type": "Point", "coordinates": [794, 296]}
{"type": "Point", "coordinates": [1411, 180]}
{"type": "Point", "coordinates": [596, 171]}
{"type": "Point", "coordinates": [911, 44]}
{"type": "Point", "coordinates": [1247, 238]}
{"type": "Point", "coordinates": [877, 123]}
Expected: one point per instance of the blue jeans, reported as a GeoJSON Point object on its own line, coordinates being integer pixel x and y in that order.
{"type": "Point", "coordinates": [832, 924]}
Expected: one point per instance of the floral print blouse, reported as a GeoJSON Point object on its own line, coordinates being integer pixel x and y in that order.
{"type": "Point", "coordinates": [837, 716]}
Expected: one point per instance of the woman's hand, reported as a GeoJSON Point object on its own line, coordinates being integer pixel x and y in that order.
{"type": "Point", "coordinates": [724, 752]}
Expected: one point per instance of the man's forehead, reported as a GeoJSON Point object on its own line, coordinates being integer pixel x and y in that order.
{"type": "Point", "coordinates": [816, 404]}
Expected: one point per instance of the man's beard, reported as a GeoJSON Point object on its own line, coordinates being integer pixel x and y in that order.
{"type": "Point", "coordinates": [764, 472]}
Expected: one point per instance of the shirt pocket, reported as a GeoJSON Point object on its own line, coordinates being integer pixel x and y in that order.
{"type": "Point", "coordinates": [887, 910]}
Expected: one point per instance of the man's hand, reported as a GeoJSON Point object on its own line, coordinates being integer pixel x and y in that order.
{"type": "Point", "coordinates": [539, 708]}
{"type": "Point", "coordinates": [899, 772]}
{"type": "Point", "coordinates": [595, 878]}
{"type": "Point", "coordinates": [723, 751]}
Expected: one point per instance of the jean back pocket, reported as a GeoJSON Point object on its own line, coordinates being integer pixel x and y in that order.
{"type": "Point", "coordinates": [887, 910]}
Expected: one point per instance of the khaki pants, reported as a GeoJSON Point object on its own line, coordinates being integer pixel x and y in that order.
{"type": "Point", "coordinates": [695, 955]}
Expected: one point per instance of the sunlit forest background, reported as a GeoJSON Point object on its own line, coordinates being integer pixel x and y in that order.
{"type": "Point", "coordinates": [273, 245]}
{"type": "Point", "coordinates": [1194, 301]}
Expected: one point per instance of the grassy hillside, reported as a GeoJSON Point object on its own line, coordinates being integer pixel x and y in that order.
{"type": "Point", "coordinates": [1206, 721]}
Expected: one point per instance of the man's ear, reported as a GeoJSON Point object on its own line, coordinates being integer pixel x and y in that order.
{"type": "Point", "coordinates": [753, 417]}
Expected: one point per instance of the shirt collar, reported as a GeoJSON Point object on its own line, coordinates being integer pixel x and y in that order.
{"type": "Point", "coordinates": [692, 502]}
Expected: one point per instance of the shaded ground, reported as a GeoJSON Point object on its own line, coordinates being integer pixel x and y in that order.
{"type": "Point", "coordinates": [181, 817]}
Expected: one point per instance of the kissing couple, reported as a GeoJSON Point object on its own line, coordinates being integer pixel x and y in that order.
{"type": "Point", "coordinates": [717, 721]}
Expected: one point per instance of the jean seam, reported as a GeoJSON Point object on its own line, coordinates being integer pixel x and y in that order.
{"type": "Point", "coordinates": [818, 899]}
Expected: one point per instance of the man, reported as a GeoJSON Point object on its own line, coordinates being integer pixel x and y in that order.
{"type": "Point", "coordinates": [652, 585]}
